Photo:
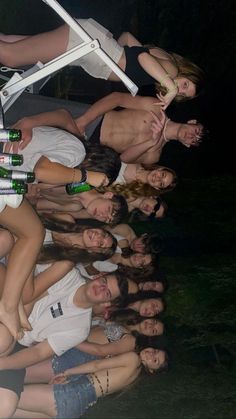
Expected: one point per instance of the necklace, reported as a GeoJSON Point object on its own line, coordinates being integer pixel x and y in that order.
{"type": "Point", "coordinates": [164, 130]}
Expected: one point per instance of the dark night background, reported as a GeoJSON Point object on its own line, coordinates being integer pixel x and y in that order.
{"type": "Point", "coordinates": [199, 231]}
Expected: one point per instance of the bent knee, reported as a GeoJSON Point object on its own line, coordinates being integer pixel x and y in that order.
{"type": "Point", "coordinates": [9, 402]}
{"type": "Point", "coordinates": [6, 341]}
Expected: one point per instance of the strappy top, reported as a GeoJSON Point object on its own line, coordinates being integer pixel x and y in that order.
{"type": "Point", "coordinates": [133, 69]}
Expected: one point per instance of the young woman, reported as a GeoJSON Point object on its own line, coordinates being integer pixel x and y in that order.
{"type": "Point", "coordinates": [147, 208]}
{"type": "Point", "coordinates": [136, 181]}
{"type": "Point", "coordinates": [115, 339]}
{"type": "Point", "coordinates": [146, 303]}
{"type": "Point", "coordinates": [29, 232]}
{"type": "Point", "coordinates": [65, 244]}
{"type": "Point", "coordinates": [85, 383]}
{"type": "Point", "coordinates": [174, 75]}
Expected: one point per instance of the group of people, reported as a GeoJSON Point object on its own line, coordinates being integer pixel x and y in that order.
{"type": "Point", "coordinates": [81, 293]}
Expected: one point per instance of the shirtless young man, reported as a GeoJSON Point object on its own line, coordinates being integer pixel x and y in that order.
{"type": "Point", "coordinates": [140, 131]}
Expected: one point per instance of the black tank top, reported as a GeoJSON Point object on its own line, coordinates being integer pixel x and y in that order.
{"type": "Point", "coordinates": [133, 69]}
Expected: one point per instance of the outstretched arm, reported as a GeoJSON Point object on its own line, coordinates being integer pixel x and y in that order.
{"type": "Point", "coordinates": [54, 173]}
{"type": "Point", "coordinates": [36, 286]}
{"type": "Point", "coordinates": [124, 360]}
{"type": "Point", "coordinates": [110, 102]}
{"type": "Point", "coordinates": [114, 348]}
{"type": "Point", "coordinates": [26, 357]}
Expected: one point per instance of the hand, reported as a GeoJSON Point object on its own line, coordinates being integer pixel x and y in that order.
{"type": "Point", "coordinates": [157, 125]}
{"type": "Point", "coordinates": [25, 125]}
{"type": "Point", "coordinates": [80, 124]}
{"type": "Point", "coordinates": [165, 100]}
{"type": "Point", "coordinates": [97, 179]}
{"type": "Point", "coordinates": [33, 193]}
{"type": "Point", "coordinates": [190, 134]}
{"type": "Point", "coordinates": [59, 379]}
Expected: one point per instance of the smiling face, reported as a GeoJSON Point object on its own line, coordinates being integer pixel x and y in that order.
{"type": "Point", "coordinates": [147, 206]}
{"type": "Point", "coordinates": [160, 178]}
{"type": "Point", "coordinates": [139, 260]}
{"type": "Point", "coordinates": [151, 307]}
{"type": "Point", "coordinates": [103, 289]}
{"type": "Point", "coordinates": [186, 87]}
{"type": "Point", "coordinates": [151, 327]}
{"type": "Point", "coordinates": [152, 358]}
{"type": "Point", "coordinates": [97, 239]}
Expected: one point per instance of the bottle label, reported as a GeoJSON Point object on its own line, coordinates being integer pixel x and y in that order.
{"type": "Point", "coordinates": [5, 159]}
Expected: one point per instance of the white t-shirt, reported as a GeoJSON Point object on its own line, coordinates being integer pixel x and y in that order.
{"type": "Point", "coordinates": [57, 145]}
{"type": "Point", "coordinates": [56, 318]}
{"type": "Point", "coordinates": [121, 178]}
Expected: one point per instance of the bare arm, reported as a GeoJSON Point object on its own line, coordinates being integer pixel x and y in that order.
{"type": "Point", "coordinates": [141, 153]}
{"type": "Point", "coordinates": [123, 360]}
{"type": "Point", "coordinates": [56, 173]}
{"type": "Point", "coordinates": [126, 344]}
{"type": "Point", "coordinates": [27, 357]}
{"type": "Point", "coordinates": [110, 102]}
{"type": "Point", "coordinates": [124, 230]}
{"type": "Point", "coordinates": [35, 286]}
{"type": "Point", "coordinates": [60, 119]}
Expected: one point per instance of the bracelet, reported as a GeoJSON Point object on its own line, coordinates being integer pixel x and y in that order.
{"type": "Point", "coordinates": [83, 175]}
{"type": "Point", "coordinates": [164, 78]}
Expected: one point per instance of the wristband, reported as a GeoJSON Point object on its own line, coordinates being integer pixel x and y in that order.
{"type": "Point", "coordinates": [84, 175]}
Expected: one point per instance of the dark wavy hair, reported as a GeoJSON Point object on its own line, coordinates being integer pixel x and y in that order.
{"type": "Point", "coordinates": [56, 251]}
{"type": "Point", "coordinates": [100, 158]}
{"type": "Point", "coordinates": [136, 273]}
{"type": "Point", "coordinates": [139, 296]}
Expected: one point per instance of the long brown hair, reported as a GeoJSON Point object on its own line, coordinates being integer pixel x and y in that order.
{"type": "Point", "coordinates": [56, 251]}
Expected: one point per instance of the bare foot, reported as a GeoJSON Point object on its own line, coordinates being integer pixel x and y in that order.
{"type": "Point", "coordinates": [25, 324]}
{"type": "Point", "coordinates": [11, 320]}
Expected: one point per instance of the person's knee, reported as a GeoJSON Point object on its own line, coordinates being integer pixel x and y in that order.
{"type": "Point", "coordinates": [6, 242]}
{"type": "Point", "coordinates": [6, 341]}
{"type": "Point", "coordinates": [7, 57]}
{"type": "Point", "coordinates": [9, 402]}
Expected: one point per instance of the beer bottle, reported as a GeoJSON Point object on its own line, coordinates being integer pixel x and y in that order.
{"type": "Point", "coordinates": [10, 135]}
{"type": "Point", "coordinates": [18, 186]}
{"type": "Point", "coordinates": [17, 174]}
{"type": "Point", "coordinates": [20, 191]}
{"type": "Point", "coordinates": [74, 188]}
{"type": "Point", "coordinates": [11, 159]}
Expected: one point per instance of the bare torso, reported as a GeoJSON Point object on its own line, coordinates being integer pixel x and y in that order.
{"type": "Point", "coordinates": [122, 129]}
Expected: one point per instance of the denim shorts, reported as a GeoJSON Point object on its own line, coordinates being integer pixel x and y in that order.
{"type": "Point", "coordinates": [70, 359]}
{"type": "Point", "coordinates": [74, 398]}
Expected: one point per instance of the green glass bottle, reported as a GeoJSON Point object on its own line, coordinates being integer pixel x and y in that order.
{"type": "Point", "coordinates": [74, 188]}
{"type": "Point", "coordinates": [11, 135]}
{"type": "Point", "coordinates": [19, 186]}
{"type": "Point", "coordinates": [11, 159]}
{"type": "Point", "coordinates": [20, 191]}
{"type": "Point", "coordinates": [28, 177]}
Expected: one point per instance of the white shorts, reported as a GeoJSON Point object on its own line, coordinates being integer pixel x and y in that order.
{"type": "Point", "coordinates": [91, 63]}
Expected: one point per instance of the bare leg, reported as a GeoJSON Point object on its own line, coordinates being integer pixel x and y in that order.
{"type": "Point", "coordinates": [25, 414]}
{"type": "Point", "coordinates": [12, 38]}
{"type": "Point", "coordinates": [41, 372]}
{"type": "Point", "coordinates": [24, 223]}
{"type": "Point", "coordinates": [6, 242]}
{"type": "Point", "coordinates": [42, 47]}
{"type": "Point", "coordinates": [9, 401]}
{"type": "Point", "coordinates": [38, 398]}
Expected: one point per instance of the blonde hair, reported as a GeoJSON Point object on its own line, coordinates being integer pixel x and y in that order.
{"type": "Point", "coordinates": [186, 68]}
